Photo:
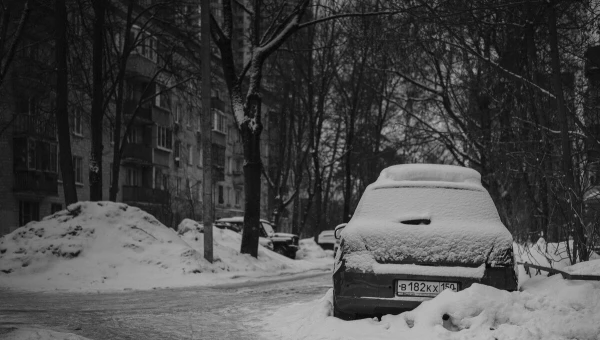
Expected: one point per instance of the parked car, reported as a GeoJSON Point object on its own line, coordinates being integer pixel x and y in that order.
{"type": "Point", "coordinates": [418, 230]}
{"type": "Point", "coordinates": [326, 239]}
{"type": "Point", "coordinates": [283, 243]}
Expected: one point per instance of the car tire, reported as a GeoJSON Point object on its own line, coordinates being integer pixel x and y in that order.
{"type": "Point", "coordinates": [339, 314]}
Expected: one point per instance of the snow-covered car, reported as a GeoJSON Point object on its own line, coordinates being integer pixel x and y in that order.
{"type": "Point", "coordinates": [418, 230]}
{"type": "Point", "coordinates": [283, 243]}
{"type": "Point", "coordinates": [326, 239]}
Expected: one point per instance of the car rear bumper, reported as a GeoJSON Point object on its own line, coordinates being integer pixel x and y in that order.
{"type": "Point", "coordinates": [372, 294]}
{"type": "Point", "coordinates": [375, 306]}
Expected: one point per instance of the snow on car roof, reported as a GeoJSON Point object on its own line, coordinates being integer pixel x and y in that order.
{"type": "Point", "coordinates": [400, 174]}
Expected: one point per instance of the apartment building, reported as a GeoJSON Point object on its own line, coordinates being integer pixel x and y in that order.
{"type": "Point", "coordinates": [162, 162]}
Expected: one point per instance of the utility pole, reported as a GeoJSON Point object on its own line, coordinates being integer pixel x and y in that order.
{"type": "Point", "coordinates": [207, 195]}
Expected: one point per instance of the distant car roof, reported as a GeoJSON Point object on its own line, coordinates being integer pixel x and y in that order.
{"type": "Point", "coordinates": [408, 174]}
{"type": "Point", "coordinates": [236, 219]}
{"type": "Point", "coordinates": [327, 232]}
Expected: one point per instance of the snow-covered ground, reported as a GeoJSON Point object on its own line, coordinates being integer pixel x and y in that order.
{"type": "Point", "coordinates": [40, 334]}
{"type": "Point", "coordinates": [311, 251]}
{"type": "Point", "coordinates": [546, 308]}
{"type": "Point", "coordinates": [99, 246]}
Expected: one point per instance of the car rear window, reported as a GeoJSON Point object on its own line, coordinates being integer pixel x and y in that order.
{"type": "Point", "coordinates": [420, 205]}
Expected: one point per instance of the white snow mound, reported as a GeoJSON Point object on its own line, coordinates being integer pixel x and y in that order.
{"type": "Point", "coordinates": [552, 308]}
{"type": "Point", "coordinates": [96, 242]}
{"type": "Point", "coordinates": [187, 225]}
{"type": "Point", "coordinates": [309, 249]}
{"type": "Point", "coordinates": [104, 246]}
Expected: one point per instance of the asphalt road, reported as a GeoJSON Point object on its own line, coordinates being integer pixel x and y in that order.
{"type": "Point", "coordinates": [222, 312]}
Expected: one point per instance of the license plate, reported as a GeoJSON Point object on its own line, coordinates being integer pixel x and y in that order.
{"type": "Point", "coordinates": [424, 288]}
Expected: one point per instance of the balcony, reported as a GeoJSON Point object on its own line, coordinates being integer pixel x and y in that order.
{"type": "Point", "coordinates": [137, 154]}
{"type": "Point", "coordinates": [37, 182]}
{"type": "Point", "coordinates": [217, 103]}
{"type": "Point", "coordinates": [29, 125]}
{"type": "Point", "coordinates": [141, 67]}
{"type": "Point", "coordinates": [144, 113]}
{"type": "Point", "coordinates": [145, 195]}
{"type": "Point", "coordinates": [237, 178]}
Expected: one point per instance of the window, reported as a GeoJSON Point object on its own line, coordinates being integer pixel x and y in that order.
{"type": "Point", "coordinates": [78, 167]}
{"type": "Point", "coordinates": [238, 165]}
{"type": "Point", "coordinates": [238, 195]}
{"type": "Point", "coordinates": [218, 155]}
{"type": "Point", "coordinates": [33, 154]}
{"type": "Point", "coordinates": [133, 177]}
{"type": "Point", "coordinates": [200, 155]}
{"type": "Point", "coordinates": [134, 136]}
{"type": "Point", "coordinates": [145, 44]}
{"type": "Point", "coordinates": [28, 211]}
{"type": "Point", "coordinates": [229, 135]}
{"type": "Point", "coordinates": [77, 122]}
{"type": "Point", "coordinates": [188, 122]}
{"type": "Point", "coordinates": [162, 99]}
{"type": "Point", "coordinates": [165, 182]}
{"type": "Point", "coordinates": [74, 20]}
{"type": "Point", "coordinates": [228, 167]}
{"type": "Point", "coordinates": [177, 153]}
{"type": "Point", "coordinates": [190, 154]}
{"type": "Point", "coordinates": [221, 194]}
{"type": "Point", "coordinates": [178, 186]}
{"type": "Point", "coordinates": [55, 207]}
{"type": "Point", "coordinates": [177, 113]}
{"type": "Point", "coordinates": [198, 123]}
{"type": "Point", "coordinates": [164, 137]}
{"type": "Point", "coordinates": [158, 178]}
{"type": "Point", "coordinates": [218, 121]}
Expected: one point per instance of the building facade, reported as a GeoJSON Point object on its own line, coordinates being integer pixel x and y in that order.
{"type": "Point", "coordinates": [162, 161]}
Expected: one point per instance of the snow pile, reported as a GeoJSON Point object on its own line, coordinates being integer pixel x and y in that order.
{"type": "Point", "coordinates": [553, 255]}
{"type": "Point", "coordinates": [309, 249]}
{"type": "Point", "coordinates": [226, 246]}
{"type": "Point", "coordinates": [94, 246]}
{"type": "Point", "coordinates": [585, 268]}
{"type": "Point", "coordinates": [187, 225]}
{"type": "Point", "coordinates": [550, 308]}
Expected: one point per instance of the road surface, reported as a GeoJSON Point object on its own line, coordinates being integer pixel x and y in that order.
{"type": "Point", "coordinates": [233, 311]}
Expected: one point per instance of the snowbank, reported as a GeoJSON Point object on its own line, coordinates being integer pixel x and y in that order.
{"type": "Point", "coordinates": [93, 246]}
{"type": "Point", "coordinates": [553, 255]}
{"type": "Point", "coordinates": [550, 308]}
{"type": "Point", "coordinates": [309, 249]}
{"type": "Point", "coordinates": [187, 225]}
{"type": "Point", "coordinates": [226, 245]}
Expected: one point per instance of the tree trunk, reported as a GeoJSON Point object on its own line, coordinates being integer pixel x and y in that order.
{"type": "Point", "coordinates": [118, 144]}
{"type": "Point", "coordinates": [62, 99]}
{"type": "Point", "coordinates": [95, 170]}
{"type": "Point", "coordinates": [251, 130]}
{"type": "Point", "coordinates": [572, 199]}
